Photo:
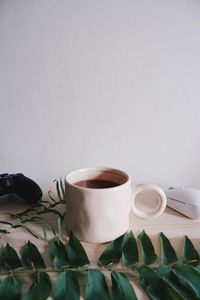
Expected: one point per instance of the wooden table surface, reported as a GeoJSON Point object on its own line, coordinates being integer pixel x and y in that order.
{"type": "Point", "coordinates": [171, 223]}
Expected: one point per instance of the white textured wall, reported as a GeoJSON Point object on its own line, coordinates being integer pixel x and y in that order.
{"type": "Point", "coordinates": [91, 83]}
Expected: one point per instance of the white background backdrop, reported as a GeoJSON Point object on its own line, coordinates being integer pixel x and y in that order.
{"type": "Point", "coordinates": [101, 83]}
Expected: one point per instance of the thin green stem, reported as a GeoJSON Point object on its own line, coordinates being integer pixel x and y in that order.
{"type": "Point", "coordinates": [127, 271]}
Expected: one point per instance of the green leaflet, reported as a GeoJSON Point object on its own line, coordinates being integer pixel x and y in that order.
{"type": "Point", "coordinates": [73, 255]}
{"type": "Point", "coordinates": [59, 225]}
{"type": "Point", "coordinates": [190, 277]}
{"type": "Point", "coordinates": [167, 274]}
{"type": "Point", "coordinates": [32, 257]}
{"type": "Point", "coordinates": [121, 287]}
{"type": "Point", "coordinates": [129, 250]}
{"type": "Point", "coordinates": [190, 254]}
{"type": "Point", "coordinates": [62, 188]}
{"type": "Point", "coordinates": [10, 288]}
{"type": "Point", "coordinates": [40, 289]}
{"type": "Point", "coordinates": [148, 254]}
{"type": "Point", "coordinates": [96, 286]}
{"type": "Point", "coordinates": [67, 286]}
{"type": "Point", "coordinates": [173, 293]}
{"type": "Point", "coordinates": [58, 253]}
{"type": "Point", "coordinates": [76, 254]}
{"type": "Point", "coordinates": [168, 254]}
{"type": "Point", "coordinates": [153, 284]}
{"type": "Point", "coordinates": [112, 253]}
{"type": "Point", "coordinates": [9, 258]}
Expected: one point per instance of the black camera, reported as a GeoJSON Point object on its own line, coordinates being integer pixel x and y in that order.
{"type": "Point", "coordinates": [22, 186]}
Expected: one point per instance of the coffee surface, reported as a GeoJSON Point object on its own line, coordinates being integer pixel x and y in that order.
{"type": "Point", "coordinates": [96, 183]}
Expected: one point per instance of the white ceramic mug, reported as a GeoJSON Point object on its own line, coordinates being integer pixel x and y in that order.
{"type": "Point", "coordinates": [100, 215]}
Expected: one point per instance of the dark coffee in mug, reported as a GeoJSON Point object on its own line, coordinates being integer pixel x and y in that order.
{"type": "Point", "coordinates": [96, 183]}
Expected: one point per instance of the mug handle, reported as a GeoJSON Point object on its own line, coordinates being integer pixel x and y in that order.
{"type": "Point", "coordinates": [138, 188]}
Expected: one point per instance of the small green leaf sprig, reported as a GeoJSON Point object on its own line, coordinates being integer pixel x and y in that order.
{"type": "Point", "coordinates": [167, 280]}
{"type": "Point", "coordinates": [36, 214]}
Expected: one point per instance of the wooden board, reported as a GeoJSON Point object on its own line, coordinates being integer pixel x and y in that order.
{"type": "Point", "coordinates": [171, 223]}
